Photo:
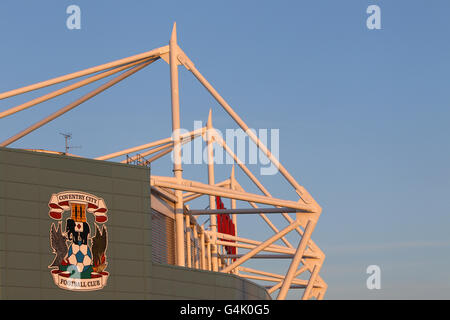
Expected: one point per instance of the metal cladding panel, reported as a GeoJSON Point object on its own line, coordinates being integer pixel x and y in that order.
{"type": "Point", "coordinates": [163, 238]}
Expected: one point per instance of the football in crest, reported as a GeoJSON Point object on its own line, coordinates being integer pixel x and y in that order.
{"type": "Point", "coordinates": [80, 257]}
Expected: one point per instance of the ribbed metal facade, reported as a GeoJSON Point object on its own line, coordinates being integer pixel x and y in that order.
{"type": "Point", "coordinates": [163, 238]}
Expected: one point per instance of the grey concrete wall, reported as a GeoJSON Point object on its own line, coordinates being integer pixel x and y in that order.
{"type": "Point", "coordinates": [27, 181]}
{"type": "Point", "coordinates": [172, 282]}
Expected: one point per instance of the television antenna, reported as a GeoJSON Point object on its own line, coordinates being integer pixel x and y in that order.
{"type": "Point", "coordinates": [67, 137]}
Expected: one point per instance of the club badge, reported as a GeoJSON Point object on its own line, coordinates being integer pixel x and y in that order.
{"type": "Point", "coordinates": [80, 257]}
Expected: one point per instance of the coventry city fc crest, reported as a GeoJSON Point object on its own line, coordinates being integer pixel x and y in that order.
{"type": "Point", "coordinates": [80, 260]}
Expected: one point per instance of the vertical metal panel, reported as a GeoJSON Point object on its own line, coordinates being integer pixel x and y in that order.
{"type": "Point", "coordinates": [163, 238]}
{"type": "Point", "coordinates": [170, 239]}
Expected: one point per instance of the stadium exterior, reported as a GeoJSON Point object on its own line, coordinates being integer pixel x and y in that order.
{"type": "Point", "coordinates": [77, 228]}
{"type": "Point", "coordinates": [27, 181]}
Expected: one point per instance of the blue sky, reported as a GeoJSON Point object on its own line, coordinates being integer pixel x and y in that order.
{"type": "Point", "coordinates": [363, 114]}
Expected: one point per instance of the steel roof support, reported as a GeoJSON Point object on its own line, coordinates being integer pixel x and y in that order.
{"type": "Point", "coordinates": [233, 204]}
{"type": "Point", "coordinates": [305, 196]}
{"type": "Point", "coordinates": [74, 104]}
{"type": "Point", "coordinates": [177, 169]}
{"type": "Point", "coordinates": [149, 54]}
{"type": "Point", "coordinates": [260, 247]}
{"type": "Point", "coordinates": [69, 88]}
{"type": "Point", "coordinates": [148, 145]}
{"type": "Point", "coordinates": [296, 260]}
{"type": "Point", "coordinates": [252, 177]}
{"type": "Point", "coordinates": [197, 187]}
{"type": "Point", "coordinates": [211, 182]}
